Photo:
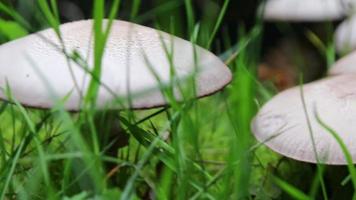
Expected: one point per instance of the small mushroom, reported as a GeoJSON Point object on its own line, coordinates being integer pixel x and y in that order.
{"type": "Point", "coordinates": [300, 11]}
{"type": "Point", "coordinates": [134, 59]}
{"type": "Point", "coordinates": [282, 122]}
{"type": "Point", "coordinates": [303, 10]}
{"type": "Point", "coordinates": [345, 36]}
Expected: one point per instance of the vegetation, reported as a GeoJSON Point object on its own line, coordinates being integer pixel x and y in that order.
{"type": "Point", "coordinates": [193, 149]}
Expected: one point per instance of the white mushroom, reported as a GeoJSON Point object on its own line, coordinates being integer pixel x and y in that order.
{"type": "Point", "coordinates": [318, 10]}
{"type": "Point", "coordinates": [304, 10]}
{"type": "Point", "coordinates": [33, 64]}
{"type": "Point", "coordinates": [282, 124]}
{"type": "Point", "coordinates": [345, 36]}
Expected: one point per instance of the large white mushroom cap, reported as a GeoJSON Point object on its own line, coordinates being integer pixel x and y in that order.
{"type": "Point", "coordinates": [346, 65]}
{"type": "Point", "coordinates": [34, 68]}
{"type": "Point", "coordinates": [345, 36]}
{"type": "Point", "coordinates": [304, 10]}
{"type": "Point", "coordinates": [282, 125]}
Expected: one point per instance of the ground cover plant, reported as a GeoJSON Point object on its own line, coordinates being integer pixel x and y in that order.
{"type": "Point", "coordinates": [191, 149]}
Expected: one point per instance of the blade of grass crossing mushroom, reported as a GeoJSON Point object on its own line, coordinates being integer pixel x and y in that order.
{"type": "Point", "coordinates": [192, 79]}
{"type": "Point", "coordinates": [51, 14]}
{"type": "Point", "coordinates": [180, 156]}
{"type": "Point", "coordinates": [310, 129]}
{"type": "Point", "coordinates": [169, 91]}
{"type": "Point", "coordinates": [166, 90]}
{"type": "Point", "coordinates": [112, 15]}
{"type": "Point", "coordinates": [54, 7]}
{"type": "Point", "coordinates": [99, 45]}
{"type": "Point", "coordinates": [169, 51]}
{"type": "Point", "coordinates": [343, 147]}
{"type": "Point", "coordinates": [85, 67]}
{"type": "Point", "coordinates": [78, 140]}
{"type": "Point", "coordinates": [53, 19]}
{"type": "Point", "coordinates": [100, 39]}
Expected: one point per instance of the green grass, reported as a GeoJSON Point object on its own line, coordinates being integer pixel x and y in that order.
{"type": "Point", "coordinates": [195, 149]}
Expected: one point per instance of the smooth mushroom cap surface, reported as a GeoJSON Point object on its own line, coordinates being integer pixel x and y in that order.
{"type": "Point", "coordinates": [346, 65]}
{"type": "Point", "coordinates": [345, 36]}
{"type": "Point", "coordinates": [282, 125]}
{"type": "Point", "coordinates": [35, 68]}
{"type": "Point", "coordinates": [303, 10]}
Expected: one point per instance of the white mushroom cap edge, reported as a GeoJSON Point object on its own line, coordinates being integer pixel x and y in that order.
{"type": "Point", "coordinates": [25, 62]}
{"type": "Point", "coordinates": [282, 125]}
{"type": "Point", "coordinates": [303, 10]}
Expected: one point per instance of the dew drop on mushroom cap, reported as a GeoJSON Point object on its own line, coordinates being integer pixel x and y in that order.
{"type": "Point", "coordinates": [303, 10]}
{"type": "Point", "coordinates": [31, 65]}
{"type": "Point", "coordinates": [281, 124]}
